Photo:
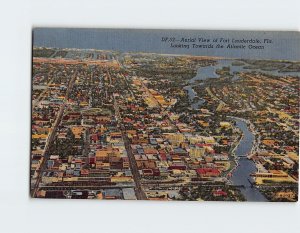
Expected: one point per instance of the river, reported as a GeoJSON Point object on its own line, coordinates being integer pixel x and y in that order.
{"type": "Point", "coordinates": [207, 72]}
{"type": "Point", "coordinates": [241, 175]}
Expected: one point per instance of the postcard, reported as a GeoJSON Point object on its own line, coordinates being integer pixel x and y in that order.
{"type": "Point", "coordinates": [177, 115]}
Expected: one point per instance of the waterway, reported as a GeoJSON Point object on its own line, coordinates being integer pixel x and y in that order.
{"type": "Point", "coordinates": [207, 72]}
{"type": "Point", "coordinates": [241, 175]}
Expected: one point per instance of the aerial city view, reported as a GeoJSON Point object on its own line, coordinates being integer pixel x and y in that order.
{"type": "Point", "coordinates": [147, 126]}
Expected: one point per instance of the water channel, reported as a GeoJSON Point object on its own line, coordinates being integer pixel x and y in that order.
{"type": "Point", "coordinates": [241, 175]}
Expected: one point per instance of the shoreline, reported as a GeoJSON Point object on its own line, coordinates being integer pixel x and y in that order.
{"type": "Point", "coordinates": [235, 158]}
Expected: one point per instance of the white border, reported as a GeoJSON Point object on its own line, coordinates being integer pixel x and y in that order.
{"type": "Point", "coordinates": [20, 214]}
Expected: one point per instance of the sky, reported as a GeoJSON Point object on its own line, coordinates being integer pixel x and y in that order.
{"type": "Point", "coordinates": [284, 46]}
